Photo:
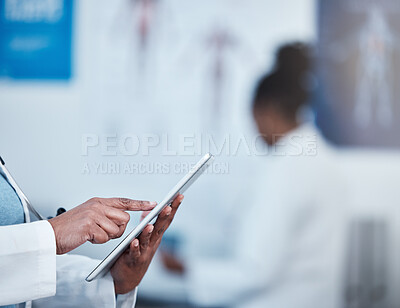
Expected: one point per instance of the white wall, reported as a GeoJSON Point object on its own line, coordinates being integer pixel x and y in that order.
{"type": "Point", "coordinates": [43, 122]}
{"type": "Point", "coordinates": [374, 193]}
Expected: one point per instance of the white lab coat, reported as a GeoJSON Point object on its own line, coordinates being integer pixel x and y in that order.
{"type": "Point", "coordinates": [31, 271]}
{"type": "Point", "coordinates": [287, 248]}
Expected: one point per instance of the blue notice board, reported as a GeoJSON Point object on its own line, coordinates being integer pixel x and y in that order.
{"type": "Point", "coordinates": [35, 39]}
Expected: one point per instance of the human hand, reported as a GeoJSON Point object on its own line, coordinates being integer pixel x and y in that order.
{"type": "Point", "coordinates": [97, 221]}
{"type": "Point", "coordinates": [172, 263]}
{"type": "Point", "coordinates": [131, 266]}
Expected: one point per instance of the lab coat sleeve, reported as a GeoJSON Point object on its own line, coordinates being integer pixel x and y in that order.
{"type": "Point", "coordinates": [27, 262]}
{"type": "Point", "coordinates": [74, 291]}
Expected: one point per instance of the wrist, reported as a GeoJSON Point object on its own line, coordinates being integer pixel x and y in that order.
{"type": "Point", "coordinates": [54, 225]}
{"type": "Point", "coordinates": [123, 288]}
{"type": "Point", "coordinates": [125, 283]}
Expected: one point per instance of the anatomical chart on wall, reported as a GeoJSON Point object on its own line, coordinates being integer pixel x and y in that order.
{"type": "Point", "coordinates": [215, 53]}
{"type": "Point", "coordinates": [143, 26]}
{"type": "Point", "coordinates": [128, 42]}
{"type": "Point", "coordinates": [219, 42]}
{"type": "Point", "coordinates": [359, 43]}
{"type": "Point", "coordinates": [140, 18]}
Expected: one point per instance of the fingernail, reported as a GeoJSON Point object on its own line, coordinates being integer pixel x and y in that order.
{"type": "Point", "coordinates": [168, 211]}
{"type": "Point", "coordinates": [151, 229]}
{"type": "Point", "coordinates": [181, 198]}
{"type": "Point", "coordinates": [136, 243]}
{"type": "Point", "coordinates": [153, 203]}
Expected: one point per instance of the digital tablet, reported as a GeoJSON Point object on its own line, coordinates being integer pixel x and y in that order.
{"type": "Point", "coordinates": [105, 265]}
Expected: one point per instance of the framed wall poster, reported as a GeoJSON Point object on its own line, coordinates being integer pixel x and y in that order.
{"type": "Point", "coordinates": [35, 39]}
{"type": "Point", "coordinates": [359, 70]}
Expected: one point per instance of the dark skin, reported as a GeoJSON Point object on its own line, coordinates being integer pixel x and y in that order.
{"type": "Point", "coordinates": [97, 220]}
{"type": "Point", "coordinates": [130, 268]}
{"type": "Point", "coordinates": [172, 263]}
{"type": "Point", "coordinates": [272, 125]}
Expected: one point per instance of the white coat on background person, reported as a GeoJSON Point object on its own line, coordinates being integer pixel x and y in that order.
{"type": "Point", "coordinates": [288, 245]}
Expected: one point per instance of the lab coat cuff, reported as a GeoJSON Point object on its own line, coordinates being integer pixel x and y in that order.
{"type": "Point", "coordinates": [46, 258]}
{"type": "Point", "coordinates": [127, 300]}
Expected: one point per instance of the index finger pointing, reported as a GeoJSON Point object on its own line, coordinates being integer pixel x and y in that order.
{"type": "Point", "coordinates": [129, 204]}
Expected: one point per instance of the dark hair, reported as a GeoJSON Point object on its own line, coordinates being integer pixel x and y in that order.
{"type": "Point", "coordinates": [285, 88]}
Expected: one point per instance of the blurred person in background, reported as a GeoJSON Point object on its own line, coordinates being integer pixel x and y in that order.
{"type": "Point", "coordinates": [288, 246]}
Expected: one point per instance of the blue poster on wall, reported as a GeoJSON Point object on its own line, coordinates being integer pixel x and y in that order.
{"type": "Point", "coordinates": [35, 39]}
